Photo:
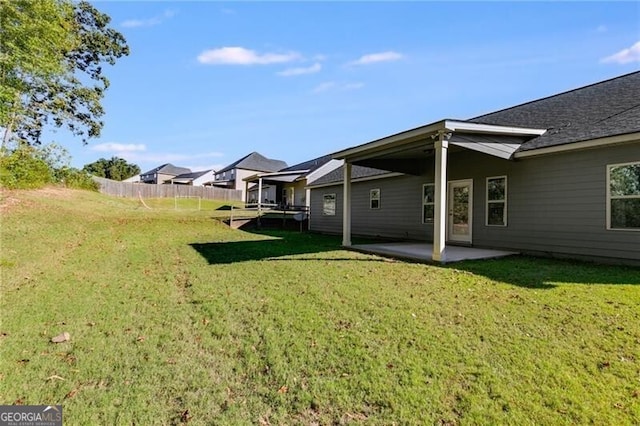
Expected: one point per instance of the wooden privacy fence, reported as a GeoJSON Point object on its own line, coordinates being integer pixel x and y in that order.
{"type": "Point", "coordinates": [145, 190]}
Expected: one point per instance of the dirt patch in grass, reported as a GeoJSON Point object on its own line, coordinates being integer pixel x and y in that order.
{"type": "Point", "coordinates": [55, 191]}
{"type": "Point", "coordinates": [7, 201]}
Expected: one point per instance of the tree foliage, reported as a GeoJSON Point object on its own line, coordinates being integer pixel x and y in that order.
{"type": "Point", "coordinates": [115, 168]}
{"type": "Point", "coordinates": [51, 57]}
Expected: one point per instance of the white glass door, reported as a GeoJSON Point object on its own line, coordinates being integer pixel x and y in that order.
{"type": "Point", "coordinates": [460, 207]}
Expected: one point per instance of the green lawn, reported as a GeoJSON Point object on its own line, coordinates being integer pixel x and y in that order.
{"type": "Point", "coordinates": [174, 317]}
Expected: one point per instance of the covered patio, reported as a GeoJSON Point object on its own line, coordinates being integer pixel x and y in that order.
{"type": "Point", "coordinates": [422, 252]}
{"type": "Point", "coordinates": [428, 148]}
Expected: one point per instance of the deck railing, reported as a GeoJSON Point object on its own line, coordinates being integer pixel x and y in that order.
{"type": "Point", "coordinates": [262, 211]}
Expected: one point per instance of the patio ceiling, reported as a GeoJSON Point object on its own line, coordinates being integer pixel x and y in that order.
{"type": "Point", "coordinates": [277, 177]}
{"type": "Point", "coordinates": [408, 151]}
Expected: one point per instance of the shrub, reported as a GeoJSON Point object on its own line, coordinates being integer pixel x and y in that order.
{"type": "Point", "coordinates": [21, 169]}
{"type": "Point", "coordinates": [28, 167]}
{"type": "Point", "coordinates": [74, 178]}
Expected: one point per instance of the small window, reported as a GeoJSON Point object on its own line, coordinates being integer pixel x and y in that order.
{"type": "Point", "coordinates": [497, 201]}
{"type": "Point", "coordinates": [428, 202]}
{"type": "Point", "coordinates": [623, 196]}
{"type": "Point", "coordinates": [329, 205]}
{"type": "Point", "coordinates": [374, 199]}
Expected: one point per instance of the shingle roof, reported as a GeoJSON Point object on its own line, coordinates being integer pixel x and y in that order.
{"type": "Point", "coordinates": [192, 175]}
{"type": "Point", "coordinates": [310, 165]}
{"type": "Point", "coordinates": [357, 172]}
{"type": "Point", "coordinates": [607, 108]}
{"type": "Point", "coordinates": [255, 161]}
{"type": "Point", "coordinates": [168, 169]}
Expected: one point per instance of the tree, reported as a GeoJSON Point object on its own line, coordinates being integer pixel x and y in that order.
{"type": "Point", "coordinates": [115, 168]}
{"type": "Point", "coordinates": [33, 38]}
{"type": "Point", "coordinates": [51, 57]}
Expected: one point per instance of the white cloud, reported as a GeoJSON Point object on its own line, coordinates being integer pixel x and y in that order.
{"type": "Point", "coordinates": [300, 71]}
{"type": "Point", "coordinates": [353, 86]}
{"type": "Point", "coordinates": [625, 56]}
{"type": "Point", "coordinates": [332, 85]}
{"type": "Point", "coordinates": [602, 29]}
{"type": "Point", "coordinates": [118, 147]}
{"type": "Point", "coordinates": [137, 153]}
{"type": "Point", "coordinates": [242, 56]}
{"type": "Point", "coordinates": [324, 87]}
{"type": "Point", "coordinates": [149, 22]}
{"type": "Point", "coordinates": [162, 158]}
{"type": "Point", "coordinates": [373, 58]}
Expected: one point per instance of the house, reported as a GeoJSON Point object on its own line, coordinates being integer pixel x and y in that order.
{"type": "Point", "coordinates": [291, 182]}
{"type": "Point", "coordinates": [194, 178]}
{"type": "Point", "coordinates": [558, 176]}
{"type": "Point", "coordinates": [232, 176]}
{"type": "Point", "coordinates": [162, 174]}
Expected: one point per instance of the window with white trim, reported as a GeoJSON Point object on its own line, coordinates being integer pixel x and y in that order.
{"type": "Point", "coordinates": [623, 196]}
{"type": "Point", "coordinates": [428, 202]}
{"type": "Point", "coordinates": [374, 199]}
{"type": "Point", "coordinates": [496, 201]}
{"type": "Point", "coordinates": [329, 205]}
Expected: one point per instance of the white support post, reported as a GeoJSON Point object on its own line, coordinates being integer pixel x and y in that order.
{"type": "Point", "coordinates": [259, 196]}
{"type": "Point", "coordinates": [246, 193]}
{"type": "Point", "coordinates": [346, 205]}
{"type": "Point", "coordinates": [440, 201]}
{"type": "Point", "coordinates": [307, 202]}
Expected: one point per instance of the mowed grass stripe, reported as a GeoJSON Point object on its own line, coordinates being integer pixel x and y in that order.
{"type": "Point", "coordinates": [171, 311]}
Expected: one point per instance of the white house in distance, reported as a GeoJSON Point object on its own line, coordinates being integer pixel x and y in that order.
{"type": "Point", "coordinates": [202, 178]}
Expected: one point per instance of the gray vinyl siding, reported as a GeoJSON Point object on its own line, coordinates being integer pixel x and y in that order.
{"type": "Point", "coordinates": [399, 215]}
{"type": "Point", "coordinates": [556, 204]}
{"type": "Point", "coordinates": [322, 223]}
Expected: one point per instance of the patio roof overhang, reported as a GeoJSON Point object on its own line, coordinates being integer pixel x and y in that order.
{"type": "Point", "coordinates": [182, 180]}
{"type": "Point", "coordinates": [277, 177]}
{"type": "Point", "coordinates": [405, 152]}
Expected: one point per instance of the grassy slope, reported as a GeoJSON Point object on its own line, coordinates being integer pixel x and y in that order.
{"type": "Point", "coordinates": [172, 311]}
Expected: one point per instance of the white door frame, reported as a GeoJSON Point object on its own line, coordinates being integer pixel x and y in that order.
{"type": "Point", "coordinates": [450, 199]}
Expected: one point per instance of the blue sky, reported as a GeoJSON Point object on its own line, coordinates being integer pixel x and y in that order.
{"type": "Point", "coordinates": [209, 82]}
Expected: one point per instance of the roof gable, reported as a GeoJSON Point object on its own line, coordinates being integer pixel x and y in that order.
{"type": "Point", "coordinates": [168, 169]}
{"type": "Point", "coordinates": [255, 161]}
{"type": "Point", "coordinates": [192, 175]}
{"type": "Point", "coordinates": [309, 165]}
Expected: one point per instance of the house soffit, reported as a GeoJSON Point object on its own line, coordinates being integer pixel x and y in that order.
{"type": "Point", "coordinates": [498, 141]}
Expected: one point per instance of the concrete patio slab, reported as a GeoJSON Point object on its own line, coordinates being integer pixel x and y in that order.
{"type": "Point", "coordinates": [421, 252]}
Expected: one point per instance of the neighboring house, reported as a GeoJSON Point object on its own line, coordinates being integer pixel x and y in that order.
{"type": "Point", "coordinates": [291, 182]}
{"type": "Point", "coordinates": [133, 179]}
{"type": "Point", "coordinates": [232, 176]}
{"type": "Point", "coordinates": [163, 174]}
{"type": "Point", "coordinates": [557, 176]}
{"type": "Point", "coordinates": [194, 178]}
